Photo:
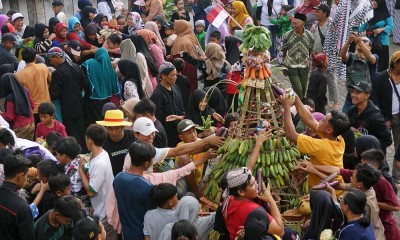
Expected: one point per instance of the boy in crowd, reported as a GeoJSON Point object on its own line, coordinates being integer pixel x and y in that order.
{"type": "Point", "coordinates": [45, 169]}
{"type": "Point", "coordinates": [215, 37]}
{"type": "Point", "coordinates": [147, 108]}
{"type": "Point", "coordinates": [47, 122]}
{"type": "Point", "coordinates": [201, 34]}
{"type": "Point", "coordinates": [59, 185]}
{"type": "Point", "coordinates": [57, 222]}
{"type": "Point", "coordinates": [57, 8]}
{"type": "Point", "coordinates": [89, 229]}
{"type": "Point", "coordinates": [182, 81]}
{"type": "Point", "coordinates": [15, 215]}
{"type": "Point", "coordinates": [170, 36]}
{"type": "Point", "coordinates": [99, 182]}
{"type": "Point", "coordinates": [132, 191]}
{"type": "Point", "coordinates": [166, 197]}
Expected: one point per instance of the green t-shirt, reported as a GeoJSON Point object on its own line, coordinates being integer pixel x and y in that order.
{"type": "Point", "coordinates": [284, 24]}
{"type": "Point", "coordinates": [202, 38]}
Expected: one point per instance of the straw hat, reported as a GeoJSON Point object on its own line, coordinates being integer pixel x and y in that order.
{"type": "Point", "coordinates": [114, 118]}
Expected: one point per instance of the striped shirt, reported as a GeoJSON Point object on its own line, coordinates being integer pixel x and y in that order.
{"type": "Point", "coordinates": [297, 48]}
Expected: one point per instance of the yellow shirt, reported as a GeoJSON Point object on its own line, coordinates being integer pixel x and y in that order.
{"type": "Point", "coordinates": [195, 158]}
{"type": "Point", "coordinates": [322, 152]}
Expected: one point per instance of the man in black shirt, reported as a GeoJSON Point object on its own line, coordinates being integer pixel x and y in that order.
{"type": "Point", "coordinates": [67, 83]}
{"type": "Point", "coordinates": [16, 220]}
{"type": "Point", "coordinates": [168, 99]}
{"type": "Point", "coordinates": [118, 139]}
{"type": "Point", "coordinates": [146, 108]}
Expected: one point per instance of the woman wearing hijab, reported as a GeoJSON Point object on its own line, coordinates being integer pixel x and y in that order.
{"type": "Point", "coordinates": [43, 40]}
{"type": "Point", "coordinates": [5, 68]}
{"type": "Point", "coordinates": [256, 225]}
{"type": "Point", "coordinates": [379, 28]}
{"type": "Point", "coordinates": [103, 84]}
{"type": "Point", "coordinates": [91, 35]}
{"type": "Point", "coordinates": [61, 31]}
{"type": "Point", "coordinates": [216, 100]}
{"type": "Point", "coordinates": [134, 23]}
{"type": "Point", "coordinates": [52, 24]}
{"type": "Point", "coordinates": [131, 81]}
{"type": "Point", "coordinates": [88, 13]}
{"type": "Point", "coordinates": [198, 107]}
{"type": "Point", "coordinates": [128, 51]}
{"type": "Point", "coordinates": [100, 20]}
{"type": "Point", "coordinates": [3, 20]}
{"type": "Point", "coordinates": [216, 66]}
{"type": "Point", "coordinates": [152, 26]}
{"type": "Point", "coordinates": [186, 41]}
{"type": "Point", "coordinates": [188, 208]}
{"type": "Point", "coordinates": [240, 199]}
{"type": "Point", "coordinates": [325, 214]}
{"type": "Point", "coordinates": [154, 46]}
{"type": "Point", "coordinates": [18, 108]}
{"type": "Point", "coordinates": [143, 48]}
{"type": "Point", "coordinates": [75, 33]}
{"type": "Point", "coordinates": [232, 56]}
{"type": "Point", "coordinates": [240, 14]}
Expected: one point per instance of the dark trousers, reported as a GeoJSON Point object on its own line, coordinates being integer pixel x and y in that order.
{"type": "Point", "coordinates": [75, 128]}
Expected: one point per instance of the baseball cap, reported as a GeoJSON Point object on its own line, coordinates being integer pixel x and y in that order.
{"type": "Point", "coordinates": [324, 8]}
{"type": "Point", "coordinates": [9, 37]}
{"type": "Point", "coordinates": [75, 47]}
{"type": "Point", "coordinates": [169, 25]}
{"type": "Point", "coordinates": [87, 228]}
{"type": "Point", "coordinates": [144, 126]}
{"type": "Point", "coordinates": [362, 87]}
{"type": "Point", "coordinates": [57, 3]}
{"type": "Point", "coordinates": [15, 16]}
{"type": "Point", "coordinates": [185, 125]}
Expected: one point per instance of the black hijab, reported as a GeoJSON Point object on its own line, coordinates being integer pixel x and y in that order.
{"type": "Point", "coordinates": [52, 23]}
{"type": "Point", "coordinates": [39, 30]}
{"type": "Point", "coordinates": [194, 113]}
{"type": "Point", "coordinates": [256, 225]}
{"type": "Point", "coordinates": [15, 92]}
{"type": "Point", "coordinates": [91, 29]}
{"type": "Point", "coordinates": [216, 100]}
{"type": "Point", "coordinates": [85, 15]}
{"type": "Point", "coordinates": [28, 32]}
{"type": "Point", "coordinates": [6, 68]}
{"type": "Point", "coordinates": [130, 71]}
{"type": "Point", "coordinates": [143, 48]}
{"type": "Point", "coordinates": [380, 13]}
{"type": "Point", "coordinates": [325, 214]}
{"type": "Point", "coordinates": [232, 49]}
{"type": "Point", "coordinates": [366, 142]}
{"type": "Point", "coordinates": [97, 20]}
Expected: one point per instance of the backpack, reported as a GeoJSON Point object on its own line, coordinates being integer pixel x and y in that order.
{"type": "Point", "coordinates": [357, 71]}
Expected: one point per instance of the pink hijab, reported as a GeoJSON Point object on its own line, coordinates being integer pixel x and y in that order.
{"type": "Point", "coordinates": [3, 20]}
{"type": "Point", "coordinates": [152, 26]}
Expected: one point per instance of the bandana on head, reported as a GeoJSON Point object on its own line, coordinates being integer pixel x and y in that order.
{"type": "Point", "coordinates": [166, 68]}
{"type": "Point", "coordinates": [56, 51]}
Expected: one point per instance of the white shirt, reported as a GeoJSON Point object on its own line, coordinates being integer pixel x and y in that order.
{"type": "Point", "coordinates": [395, 99]}
{"type": "Point", "coordinates": [277, 5]}
{"type": "Point", "coordinates": [161, 154]}
{"type": "Point", "coordinates": [101, 180]}
{"type": "Point", "coordinates": [102, 7]}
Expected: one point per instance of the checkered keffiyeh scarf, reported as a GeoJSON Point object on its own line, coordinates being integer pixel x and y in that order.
{"type": "Point", "coordinates": [56, 51]}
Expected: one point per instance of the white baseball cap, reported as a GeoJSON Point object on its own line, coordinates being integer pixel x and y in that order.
{"type": "Point", "coordinates": [144, 126]}
{"type": "Point", "coordinates": [16, 15]}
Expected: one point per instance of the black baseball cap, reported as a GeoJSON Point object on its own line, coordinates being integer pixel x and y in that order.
{"type": "Point", "coordinates": [9, 37]}
{"type": "Point", "coordinates": [362, 87]}
{"type": "Point", "coordinates": [169, 25]}
{"type": "Point", "coordinates": [87, 229]}
{"type": "Point", "coordinates": [57, 3]}
{"type": "Point", "coordinates": [76, 47]}
{"type": "Point", "coordinates": [324, 8]}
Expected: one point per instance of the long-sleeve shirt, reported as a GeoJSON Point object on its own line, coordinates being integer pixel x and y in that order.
{"type": "Point", "coordinates": [73, 36]}
{"type": "Point", "coordinates": [175, 16]}
{"type": "Point", "coordinates": [284, 24]}
{"type": "Point", "coordinates": [383, 36]}
{"type": "Point", "coordinates": [6, 57]}
{"type": "Point", "coordinates": [297, 48]}
{"type": "Point", "coordinates": [17, 120]}
{"type": "Point", "coordinates": [16, 221]}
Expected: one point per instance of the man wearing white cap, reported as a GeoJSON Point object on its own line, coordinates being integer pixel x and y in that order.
{"type": "Point", "coordinates": [18, 23]}
{"type": "Point", "coordinates": [144, 130]}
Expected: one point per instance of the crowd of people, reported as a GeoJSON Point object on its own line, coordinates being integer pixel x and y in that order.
{"type": "Point", "coordinates": [108, 119]}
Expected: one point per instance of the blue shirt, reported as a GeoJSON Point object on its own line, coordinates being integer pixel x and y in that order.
{"type": "Point", "coordinates": [133, 197]}
{"type": "Point", "coordinates": [384, 36]}
{"type": "Point", "coordinates": [354, 230]}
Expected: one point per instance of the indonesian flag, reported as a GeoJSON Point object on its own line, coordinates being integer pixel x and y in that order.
{"type": "Point", "coordinates": [217, 16]}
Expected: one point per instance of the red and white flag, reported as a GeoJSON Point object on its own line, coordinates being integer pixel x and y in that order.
{"type": "Point", "coordinates": [217, 16]}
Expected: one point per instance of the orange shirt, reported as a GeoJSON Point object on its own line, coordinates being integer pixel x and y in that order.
{"type": "Point", "coordinates": [36, 79]}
